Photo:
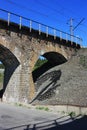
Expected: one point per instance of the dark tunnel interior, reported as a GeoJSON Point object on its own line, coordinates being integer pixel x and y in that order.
{"type": "Point", "coordinates": [53, 59]}
{"type": "Point", "coordinates": [10, 62]}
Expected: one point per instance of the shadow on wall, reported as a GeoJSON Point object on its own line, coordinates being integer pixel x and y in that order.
{"type": "Point", "coordinates": [45, 91]}
{"type": "Point", "coordinates": [54, 59]}
{"type": "Point", "coordinates": [10, 62]}
{"type": "Point", "coordinates": [38, 72]}
{"type": "Point", "coordinates": [79, 123]}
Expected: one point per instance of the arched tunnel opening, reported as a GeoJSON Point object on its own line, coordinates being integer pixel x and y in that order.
{"type": "Point", "coordinates": [2, 69]}
{"type": "Point", "coordinates": [45, 82]}
{"type": "Point", "coordinates": [10, 63]}
{"type": "Point", "coordinates": [46, 62]}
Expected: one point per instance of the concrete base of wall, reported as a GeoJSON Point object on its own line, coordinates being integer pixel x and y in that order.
{"type": "Point", "coordinates": [68, 109]}
{"type": "Point", "coordinates": [62, 109]}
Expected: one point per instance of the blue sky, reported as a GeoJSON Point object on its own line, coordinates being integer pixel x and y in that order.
{"type": "Point", "coordinates": [54, 13]}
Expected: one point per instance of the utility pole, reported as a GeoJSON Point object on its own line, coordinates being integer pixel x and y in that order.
{"type": "Point", "coordinates": [70, 22]}
{"type": "Point", "coordinates": [71, 26]}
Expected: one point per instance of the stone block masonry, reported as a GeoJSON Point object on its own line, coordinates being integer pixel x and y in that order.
{"type": "Point", "coordinates": [19, 51]}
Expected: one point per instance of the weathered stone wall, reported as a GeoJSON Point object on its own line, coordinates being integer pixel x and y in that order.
{"type": "Point", "coordinates": [65, 84]}
{"type": "Point", "coordinates": [20, 51]}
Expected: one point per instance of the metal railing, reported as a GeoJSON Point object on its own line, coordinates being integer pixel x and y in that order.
{"type": "Point", "coordinates": [31, 24]}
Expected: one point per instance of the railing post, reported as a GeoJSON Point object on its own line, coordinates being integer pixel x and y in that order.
{"type": "Point", "coordinates": [20, 22]}
{"type": "Point", "coordinates": [30, 25]}
{"type": "Point", "coordinates": [39, 29]}
{"type": "Point", "coordinates": [81, 42]}
{"type": "Point", "coordinates": [76, 41]}
{"type": "Point", "coordinates": [8, 18]}
{"type": "Point", "coordinates": [46, 31]}
{"type": "Point", "coordinates": [66, 37]}
{"type": "Point", "coordinates": [54, 34]}
{"type": "Point", "coordinates": [60, 36]}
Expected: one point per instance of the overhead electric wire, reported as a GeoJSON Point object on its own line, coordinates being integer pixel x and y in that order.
{"type": "Point", "coordinates": [45, 15]}
{"type": "Point", "coordinates": [45, 5]}
{"type": "Point", "coordinates": [57, 11]}
{"type": "Point", "coordinates": [29, 9]}
{"type": "Point", "coordinates": [69, 10]}
{"type": "Point", "coordinates": [79, 23]}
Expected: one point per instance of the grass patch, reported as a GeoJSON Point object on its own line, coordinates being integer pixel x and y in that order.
{"type": "Point", "coordinates": [72, 114]}
{"type": "Point", "coordinates": [39, 63]}
{"type": "Point", "coordinates": [1, 77]}
{"type": "Point", "coordinates": [42, 108]}
{"type": "Point", "coordinates": [18, 104]}
{"type": "Point", "coordinates": [1, 80]}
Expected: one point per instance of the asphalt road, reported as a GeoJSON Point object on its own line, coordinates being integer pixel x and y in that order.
{"type": "Point", "coordinates": [22, 118]}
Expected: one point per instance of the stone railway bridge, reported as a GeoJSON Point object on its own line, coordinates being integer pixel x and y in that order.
{"type": "Point", "coordinates": [19, 51]}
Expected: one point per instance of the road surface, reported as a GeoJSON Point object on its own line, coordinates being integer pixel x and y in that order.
{"type": "Point", "coordinates": [22, 118]}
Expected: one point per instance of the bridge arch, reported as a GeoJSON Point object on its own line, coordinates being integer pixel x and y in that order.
{"type": "Point", "coordinates": [10, 63]}
{"type": "Point", "coordinates": [22, 49]}
{"type": "Point", "coordinates": [53, 59]}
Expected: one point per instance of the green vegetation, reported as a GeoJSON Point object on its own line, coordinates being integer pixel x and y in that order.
{"type": "Point", "coordinates": [42, 108]}
{"type": "Point", "coordinates": [1, 80]}
{"type": "Point", "coordinates": [2, 66]}
{"type": "Point", "coordinates": [18, 104]}
{"type": "Point", "coordinates": [1, 77]}
{"type": "Point", "coordinates": [39, 63]}
{"type": "Point", "coordinates": [72, 114]}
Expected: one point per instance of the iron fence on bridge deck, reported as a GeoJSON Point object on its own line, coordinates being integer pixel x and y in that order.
{"type": "Point", "coordinates": [22, 21]}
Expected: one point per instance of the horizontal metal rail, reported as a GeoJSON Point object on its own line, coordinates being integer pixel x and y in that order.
{"type": "Point", "coordinates": [23, 21]}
